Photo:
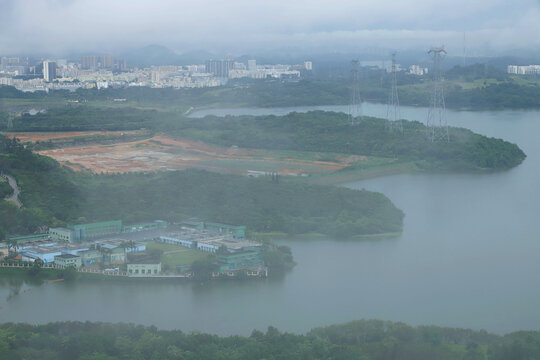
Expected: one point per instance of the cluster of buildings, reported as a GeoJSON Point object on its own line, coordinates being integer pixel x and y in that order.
{"type": "Point", "coordinates": [523, 70]}
{"type": "Point", "coordinates": [109, 252]}
{"type": "Point", "coordinates": [103, 71]}
{"type": "Point", "coordinates": [418, 70]}
{"type": "Point", "coordinates": [228, 242]}
{"type": "Point", "coordinates": [235, 70]}
{"type": "Point", "coordinates": [108, 244]}
{"type": "Point", "coordinates": [84, 244]}
{"type": "Point", "coordinates": [387, 66]}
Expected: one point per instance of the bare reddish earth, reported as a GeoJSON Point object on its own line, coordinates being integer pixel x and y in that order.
{"type": "Point", "coordinates": [162, 153]}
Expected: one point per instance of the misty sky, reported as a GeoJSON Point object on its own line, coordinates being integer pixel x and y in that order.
{"type": "Point", "coordinates": [242, 26]}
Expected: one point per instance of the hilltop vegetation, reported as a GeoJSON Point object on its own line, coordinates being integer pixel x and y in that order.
{"type": "Point", "coordinates": [364, 339]}
{"type": "Point", "coordinates": [316, 131]}
{"type": "Point", "coordinates": [331, 132]}
{"type": "Point", "coordinates": [54, 195]}
{"type": "Point", "coordinates": [85, 118]}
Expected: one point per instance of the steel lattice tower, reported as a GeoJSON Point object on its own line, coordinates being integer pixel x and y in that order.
{"type": "Point", "coordinates": [10, 121]}
{"type": "Point", "coordinates": [437, 128]}
{"type": "Point", "coordinates": [355, 105]}
{"type": "Point", "coordinates": [393, 117]}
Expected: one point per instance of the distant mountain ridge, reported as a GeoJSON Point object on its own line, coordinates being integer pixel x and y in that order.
{"type": "Point", "coordinates": [161, 55]}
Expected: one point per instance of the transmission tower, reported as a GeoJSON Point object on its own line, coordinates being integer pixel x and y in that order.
{"type": "Point", "coordinates": [437, 128]}
{"type": "Point", "coordinates": [394, 122]}
{"type": "Point", "coordinates": [10, 121]}
{"type": "Point", "coordinates": [464, 59]}
{"type": "Point", "coordinates": [355, 105]}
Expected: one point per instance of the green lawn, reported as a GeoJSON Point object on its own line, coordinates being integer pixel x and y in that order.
{"type": "Point", "coordinates": [182, 258]}
{"type": "Point", "coordinates": [186, 257]}
{"type": "Point", "coordinates": [152, 245]}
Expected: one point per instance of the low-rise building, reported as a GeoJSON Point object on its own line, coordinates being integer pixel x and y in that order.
{"type": "Point", "coordinates": [154, 225]}
{"type": "Point", "coordinates": [113, 254]}
{"type": "Point", "coordinates": [178, 240]}
{"type": "Point", "coordinates": [237, 232]}
{"type": "Point", "coordinates": [46, 254]}
{"type": "Point", "coordinates": [3, 250]}
{"type": "Point", "coordinates": [239, 260]}
{"type": "Point", "coordinates": [133, 247]}
{"type": "Point", "coordinates": [61, 234]}
{"type": "Point", "coordinates": [22, 239]}
{"type": "Point", "coordinates": [67, 260]}
{"type": "Point", "coordinates": [75, 249]}
{"type": "Point", "coordinates": [90, 257]}
{"type": "Point", "coordinates": [91, 231]}
{"type": "Point", "coordinates": [144, 268]}
{"type": "Point", "coordinates": [193, 223]}
{"type": "Point", "coordinates": [207, 247]}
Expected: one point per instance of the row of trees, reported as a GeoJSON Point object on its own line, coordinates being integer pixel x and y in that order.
{"type": "Point", "coordinates": [366, 340]}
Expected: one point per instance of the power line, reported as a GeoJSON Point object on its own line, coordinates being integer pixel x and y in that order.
{"type": "Point", "coordinates": [437, 127]}
{"type": "Point", "coordinates": [355, 104]}
{"type": "Point", "coordinates": [394, 123]}
{"type": "Point", "coordinates": [10, 121]}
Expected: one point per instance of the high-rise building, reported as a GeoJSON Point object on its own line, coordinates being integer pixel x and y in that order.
{"type": "Point", "coordinates": [89, 62]}
{"type": "Point", "coordinates": [219, 68]}
{"type": "Point", "coordinates": [107, 61]}
{"type": "Point", "coordinates": [9, 61]}
{"type": "Point", "coordinates": [252, 65]}
{"type": "Point", "coordinates": [308, 65]}
{"type": "Point", "coordinates": [122, 65]}
{"type": "Point", "coordinates": [49, 70]}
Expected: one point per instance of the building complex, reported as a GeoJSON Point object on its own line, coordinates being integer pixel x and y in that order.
{"type": "Point", "coordinates": [523, 70]}
{"type": "Point", "coordinates": [111, 243]}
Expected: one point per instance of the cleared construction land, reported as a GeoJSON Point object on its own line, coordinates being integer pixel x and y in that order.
{"type": "Point", "coordinates": [163, 153]}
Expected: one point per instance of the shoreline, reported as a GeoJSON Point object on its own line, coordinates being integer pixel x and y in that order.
{"type": "Point", "coordinates": [195, 109]}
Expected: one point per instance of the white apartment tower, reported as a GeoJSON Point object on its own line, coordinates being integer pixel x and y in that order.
{"type": "Point", "coordinates": [252, 65]}
{"type": "Point", "coordinates": [49, 70]}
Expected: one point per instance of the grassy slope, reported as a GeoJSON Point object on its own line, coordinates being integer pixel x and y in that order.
{"type": "Point", "coordinates": [186, 257]}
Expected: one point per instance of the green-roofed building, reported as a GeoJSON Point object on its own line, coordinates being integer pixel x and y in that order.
{"type": "Point", "coordinates": [86, 232]}
{"type": "Point", "coordinates": [239, 260]}
{"type": "Point", "coordinates": [20, 239]}
{"type": "Point", "coordinates": [154, 225]}
{"type": "Point", "coordinates": [237, 232]}
{"type": "Point", "coordinates": [193, 223]}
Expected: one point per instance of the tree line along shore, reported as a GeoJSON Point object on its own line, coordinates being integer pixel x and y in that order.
{"type": "Point", "coordinates": [362, 339]}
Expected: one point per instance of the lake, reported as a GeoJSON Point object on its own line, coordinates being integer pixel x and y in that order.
{"type": "Point", "coordinates": [468, 257]}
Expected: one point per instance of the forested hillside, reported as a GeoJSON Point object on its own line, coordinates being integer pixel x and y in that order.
{"type": "Point", "coordinates": [318, 131]}
{"type": "Point", "coordinates": [331, 132]}
{"type": "Point", "coordinates": [53, 195]}
{"type": "Point", "coordinates": [365, 340]}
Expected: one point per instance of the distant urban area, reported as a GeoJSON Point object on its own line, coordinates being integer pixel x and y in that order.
{"type": "Point", "coordinates": [105, 71]}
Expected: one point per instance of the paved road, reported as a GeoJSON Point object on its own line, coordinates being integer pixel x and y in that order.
{"type": "Point", "coordinates": [15, 196]}
{"type": "Point", "coordinates": [175, 251]}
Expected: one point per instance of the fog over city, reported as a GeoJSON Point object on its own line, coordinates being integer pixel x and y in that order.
{"type": "Point", "coordinates": [491, 27]}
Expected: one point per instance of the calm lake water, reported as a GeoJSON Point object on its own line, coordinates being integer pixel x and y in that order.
{"type": "Point", "coordinates": [469, 256]}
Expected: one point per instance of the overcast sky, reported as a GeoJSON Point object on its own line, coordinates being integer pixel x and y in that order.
{"type": "Point", "coordinates": [246, 26]}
